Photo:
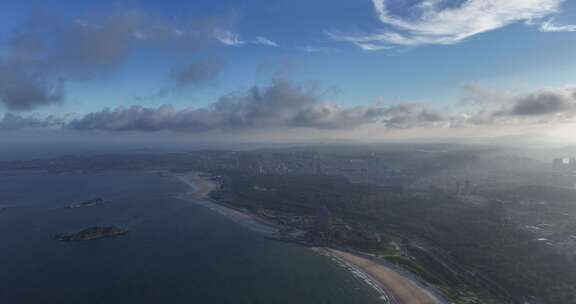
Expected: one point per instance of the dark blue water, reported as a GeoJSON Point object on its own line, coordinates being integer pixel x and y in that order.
{"type": "Point", "coordinates": [176, 252]}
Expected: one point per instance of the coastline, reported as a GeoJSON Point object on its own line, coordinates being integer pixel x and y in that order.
{"type": "Point", "coordinates": [392, 286]}
{"type": "Point", "coordinates": [201, 187]}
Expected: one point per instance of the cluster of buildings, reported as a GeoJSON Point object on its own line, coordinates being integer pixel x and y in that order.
{"type": "Point", "coordinates": [357, 168]}
{"type": "Point", "coordinates": [320, 228]}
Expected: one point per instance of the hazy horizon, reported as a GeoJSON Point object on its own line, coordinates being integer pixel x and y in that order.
{"type": "Point", "coordinates": [288, 151]}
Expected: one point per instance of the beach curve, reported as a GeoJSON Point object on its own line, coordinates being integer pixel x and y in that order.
{"type": "Point", "coordinates": [393, 287]}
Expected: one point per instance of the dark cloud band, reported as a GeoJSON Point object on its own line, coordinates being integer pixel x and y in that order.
{"type": "Point", "coordinates": [284, 105]}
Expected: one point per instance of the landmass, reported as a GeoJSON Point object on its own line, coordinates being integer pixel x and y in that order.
{"type": "Point", "coordinates": [202, 185]}
{"type": "Point", "coordinates": [92, 233]}
{"type": "Point", "coordinates": [392, 286]}
{"type": "Point", "coordinates": [86, 204]}
{"type": "Point", "coordinates": [397, 288]}
{"type": "Point", "coordinates": [481, 223]}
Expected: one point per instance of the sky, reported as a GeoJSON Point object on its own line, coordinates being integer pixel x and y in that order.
{"type": "Point", "coordinates": [288, 69]}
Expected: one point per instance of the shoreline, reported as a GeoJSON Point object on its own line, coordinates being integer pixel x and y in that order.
{"type": "Point", "coordinates": [359, 274]}
{"type": "Point", "coordinates": [396, 287]}
{"type": "Point", "coordinates": [199, 194]}
{"type": "Point", "coordinates": [392, 286]}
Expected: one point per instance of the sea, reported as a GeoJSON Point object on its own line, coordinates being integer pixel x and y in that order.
{"type": "Point", "coordinates": [176, 251]}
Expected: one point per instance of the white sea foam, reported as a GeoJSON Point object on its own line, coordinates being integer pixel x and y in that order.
{"type": "Point", "coordinates": [358, 274]}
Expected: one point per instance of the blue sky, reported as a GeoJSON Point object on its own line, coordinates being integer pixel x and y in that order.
{"type": "Point", "coordinates": [357, 53]}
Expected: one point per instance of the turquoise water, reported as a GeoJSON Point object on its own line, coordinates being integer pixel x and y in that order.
{"type": "Point", "coordinates": [176, 252]}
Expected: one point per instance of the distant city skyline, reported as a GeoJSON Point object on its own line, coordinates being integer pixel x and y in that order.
{"type": "Point", "coordinates": [289, 70]}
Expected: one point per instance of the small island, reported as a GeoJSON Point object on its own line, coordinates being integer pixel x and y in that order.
{"type": "Point", "coordinates": [91, 233]}
{"type": "Point", "coordinates": [86, 204]}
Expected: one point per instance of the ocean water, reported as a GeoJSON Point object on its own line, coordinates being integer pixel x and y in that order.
{"type": "Point", "coordinates": [175, 252]}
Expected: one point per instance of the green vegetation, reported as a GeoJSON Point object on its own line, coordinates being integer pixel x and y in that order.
{"type": "Point", "coordinates": [460, 246]}
{"type": "Point", "coordinates": [482, 244]}
{"type": "Point", "coordinates": [413, 267]}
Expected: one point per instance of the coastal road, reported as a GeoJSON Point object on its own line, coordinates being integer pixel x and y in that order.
{"type": "Point", "coordinates": [402, 290]}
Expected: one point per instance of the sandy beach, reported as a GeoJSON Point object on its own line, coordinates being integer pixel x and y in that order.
{"type": "Point", "coordinates": [399, 289]}
{"type": "Point", "coordinates": [201, 185]}
{"type": "Point", "coordinates": [393, 287]}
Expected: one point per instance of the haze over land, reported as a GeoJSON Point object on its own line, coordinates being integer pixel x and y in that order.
{"type": "Point", "coordinates": [374, 151]}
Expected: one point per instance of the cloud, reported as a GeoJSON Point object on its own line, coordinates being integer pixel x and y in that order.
{"type": "Point", "coordinates": [550, 26]}
{"type": "Point", "coordinates": [549, 102]}
{"type": "Point", "coordinates": [334, 116]}
{"type": "Point", "coordinates": [265, 41]}
{"type": "Point", "coordinates": [283, 104]}
{"type": "Point", "coordinates": [445, 22]}
{"type": "Point", "coordinates": [16, 122]}
{"type": "Point", "coordinates": [411, 115]}
{"type": "Point", "coordinates": [46, 52]}
{"type": "Point", "coordinates": [96, 44]}
{"type": "Point", "coordinates": [196, 73]}
{"type": "Point", "coordinates": [23, 88]}
{"type": "Point", "coordinates": [230, 38]}
{"type": "Point", "coordinates": [193, 75]}
{"type": "Point", "coordinates": [317, 49]}
{"type": "Point", "coordinates": [488, 107]}
{"type": "Point", "coordinates": [498, 107]}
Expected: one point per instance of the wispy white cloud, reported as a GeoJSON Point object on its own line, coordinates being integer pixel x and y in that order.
{"type": "Point", "coordinates": [550, 26]}
{"type": "Point", "coordinates": [442, 22]}
{"type": "Point", "coordinates": [233, 39]}
{"type": "Point", "coordinates": [316, 49]}
{"type": "Point", "coordinates": [265, 41]}
{"type": "Point", "coordinates": [228, 38]}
